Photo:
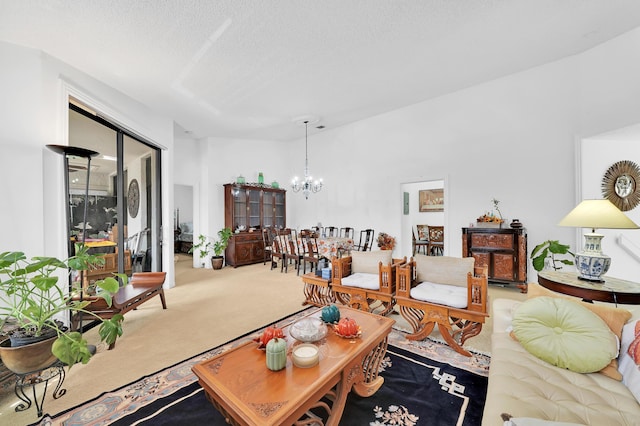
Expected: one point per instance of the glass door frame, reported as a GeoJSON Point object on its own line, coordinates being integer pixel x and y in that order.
{"type": "Point", "coordinates": [155, 226]}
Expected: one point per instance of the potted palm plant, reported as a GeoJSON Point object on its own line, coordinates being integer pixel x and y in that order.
{"type": "Point", "coordinates": [34, 306]}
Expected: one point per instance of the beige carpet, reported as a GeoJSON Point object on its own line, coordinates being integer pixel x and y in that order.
{"type": "Point", "coordinates": [205, 309]}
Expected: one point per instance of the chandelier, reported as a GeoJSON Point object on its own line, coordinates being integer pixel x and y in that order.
{"type": "Point", "coordinates": [307, 185]}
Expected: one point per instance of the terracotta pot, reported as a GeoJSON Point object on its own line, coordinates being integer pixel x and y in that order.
{"type": "Point", "coordinates": [217, 262]}
{"type": "Point", "coordinates": [31, 357]}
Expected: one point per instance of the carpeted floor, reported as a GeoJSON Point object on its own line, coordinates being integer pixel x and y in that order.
{"type": "Point", "coordinates": [420, 384]}
{"type": "Point", "coordinates": [206, 308]}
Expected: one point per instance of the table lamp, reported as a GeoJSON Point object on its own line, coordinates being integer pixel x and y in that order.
{"type": "Point", "coordinates": [591, 263]}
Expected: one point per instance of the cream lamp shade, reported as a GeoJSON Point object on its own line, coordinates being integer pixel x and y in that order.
{"type": "Point", "coordinates": [591, 263]}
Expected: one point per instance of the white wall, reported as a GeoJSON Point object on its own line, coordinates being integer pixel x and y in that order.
{"type": "Point", "coordinates": [513, 139]}
{"type": "Point", "coordinates": [34, 108]}
{"type": "Point", "coordinates": [597, 155]}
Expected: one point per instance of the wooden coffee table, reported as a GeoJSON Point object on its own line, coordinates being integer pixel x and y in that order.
{"type": "Point", "coordinates": [241, 387]}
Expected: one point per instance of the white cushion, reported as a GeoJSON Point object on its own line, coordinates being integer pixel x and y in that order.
{"type": "Point", "coordinates": [362, 280]}
{"type": "Point", "coordinates": [443, 269]}
{"type": "Point", "coordinates": [368, 261]}
{"type": "Point", "coordinates": [442, 294]}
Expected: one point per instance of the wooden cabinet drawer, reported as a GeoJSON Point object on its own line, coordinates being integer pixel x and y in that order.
{"type": "Point", "coordinates": [501, 241]}
{"type": "Point", "coordinates": [243, 237]}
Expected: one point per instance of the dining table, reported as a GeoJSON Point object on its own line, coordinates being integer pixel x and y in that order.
{"type": "Point", "coordinates": [330, 246]}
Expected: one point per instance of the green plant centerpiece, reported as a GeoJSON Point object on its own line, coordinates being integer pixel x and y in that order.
{"type": "Point", "coordinates": [551, 249]}
{"type": "Point", "coordinates": [33, 303]}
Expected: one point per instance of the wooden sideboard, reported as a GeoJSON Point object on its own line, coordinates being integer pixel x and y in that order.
{"type": "Point", "coordinates": [503, 250]}
{"type": "Point", "coordinates": [251, 206]}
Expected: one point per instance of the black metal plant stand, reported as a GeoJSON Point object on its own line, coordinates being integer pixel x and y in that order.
{"type": "Point", "coordinates": [34, 379]}
{"type": "Point", "coordinates": [56, 370]}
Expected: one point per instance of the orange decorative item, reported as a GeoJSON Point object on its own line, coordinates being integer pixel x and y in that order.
{"type": "Point", "coordinates": [268, 334]}
{"type": "Point", "coordinates": [347, 327]}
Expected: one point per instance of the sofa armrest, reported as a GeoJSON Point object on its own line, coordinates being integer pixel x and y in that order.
{"type": "Point", "coordinates": [478, 289]}
{"type": "Point", "coordinates": [502, 314]}
{"type": "Point", "coordinates": [341, 268]}
{"type": "Point", "coordinates": [405, 279]}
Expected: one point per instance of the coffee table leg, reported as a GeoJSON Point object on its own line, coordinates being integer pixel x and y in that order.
{"type": "Point", "coordinates": [370, 366]}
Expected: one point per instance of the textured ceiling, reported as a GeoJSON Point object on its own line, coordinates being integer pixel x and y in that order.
{"type": "Point", "coordinates": [248, 68]}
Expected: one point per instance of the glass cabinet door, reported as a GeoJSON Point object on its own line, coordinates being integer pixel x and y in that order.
{"type": "Point", "coordinates": [279, 209]}
{"type": "Point", "coordinates": [254, 208]}
{"type": "Point", "coordinates": [267, 209]}
{"type": "Point", "coordinates": [240, 210]}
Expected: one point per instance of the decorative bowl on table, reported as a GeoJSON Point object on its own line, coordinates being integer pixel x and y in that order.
{"type": "Point", "coordinates": [308, 330]}
{"type": "Point", "coordinates": [350, 336]}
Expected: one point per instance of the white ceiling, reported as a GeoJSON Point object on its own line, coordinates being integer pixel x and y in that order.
{"type": "Point", "coordinates": [248, 68]}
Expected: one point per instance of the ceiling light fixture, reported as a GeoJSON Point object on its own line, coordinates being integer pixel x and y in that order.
{"type": "Point", "coordinates": [308, 185]}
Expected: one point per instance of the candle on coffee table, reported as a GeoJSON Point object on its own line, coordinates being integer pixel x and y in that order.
{"type": "Point", "coordinates": [305, 356]}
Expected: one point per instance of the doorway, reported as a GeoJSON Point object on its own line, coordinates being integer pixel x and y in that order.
{"type": "Point", "coordinates": [416, 214]}
{"type": "Point", "coordinates": [123, 216]}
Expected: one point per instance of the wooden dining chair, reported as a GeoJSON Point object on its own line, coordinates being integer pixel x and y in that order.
{"type": "Point", "coordinates": [419, 244]}
{"type": "Point", "coordinates": [267, 241]}
{"type": "Point", "coordinates": [277, 255]}
{"type": "Point", "coordinates": [292, 250]}
{"type": "Point", "coordinates": [309, 239]}
{"type": "Point", "coordinates": [346, 232]}
{"type": "Point", "coordinates": [436, 241]}
{"type": "Point", "coordinates": [330, 231]}
{"type": "Point", "coordinates": [366, 240]}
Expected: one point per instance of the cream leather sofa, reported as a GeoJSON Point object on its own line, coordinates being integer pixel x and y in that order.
{"type": "Point", "coordinates": [537, 393]}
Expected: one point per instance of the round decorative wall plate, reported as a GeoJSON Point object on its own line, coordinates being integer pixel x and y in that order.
{"type": "Point", "coordinates": [133, 198]}
{"type": "Point", "coordinates": [620, 185]}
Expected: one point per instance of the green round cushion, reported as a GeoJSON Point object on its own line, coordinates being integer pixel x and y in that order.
{"type": "Point", "coordinates": [564, 334]}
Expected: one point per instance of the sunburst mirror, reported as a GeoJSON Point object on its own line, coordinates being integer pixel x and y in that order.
{"type": "Point", "coordinates": [620, 184]}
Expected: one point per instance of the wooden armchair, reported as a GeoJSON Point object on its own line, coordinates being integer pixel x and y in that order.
{"type": "Point", "coordinates": [366, 280]}
{"type": "Point", "coordinates": [447, 291]}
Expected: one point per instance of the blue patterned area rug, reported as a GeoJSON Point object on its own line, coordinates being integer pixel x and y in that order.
{"type": "Point", "coordinates": [421, 387]}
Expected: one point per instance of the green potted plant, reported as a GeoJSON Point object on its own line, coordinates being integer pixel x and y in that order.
{"type": "Point", "coordinates": [32, 303]}
{"type": "Point", "coordinates": [219, 246]}
{"type": "Point", "coordinates": [549, 250]}
{"type": "Point", "coordinates": [203, 247]}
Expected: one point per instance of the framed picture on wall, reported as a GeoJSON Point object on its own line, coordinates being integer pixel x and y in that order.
{"type": "Point", "coordinates": [431, 200]}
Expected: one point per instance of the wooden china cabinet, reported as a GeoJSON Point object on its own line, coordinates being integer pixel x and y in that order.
{"type": "Point", "coordinates": [503, 250]}
{"type": "Point", "coordinates": [249, 208]}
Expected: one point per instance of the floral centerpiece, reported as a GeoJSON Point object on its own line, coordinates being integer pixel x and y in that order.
{"type": "Point", "coordinates": [386, 241]}
{"type": "Point", "coordinates": [490, 217]}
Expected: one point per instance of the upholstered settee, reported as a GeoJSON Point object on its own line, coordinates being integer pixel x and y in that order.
{"type": "Point", "coordinates": [449, 292]}
{"type": "Point", "coordinates": [365, 280]}
{"type": "Point", "coordinates": [525, 384]}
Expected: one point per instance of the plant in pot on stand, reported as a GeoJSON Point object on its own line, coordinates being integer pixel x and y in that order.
{"type": "Point", "coordinates": [33, 305]}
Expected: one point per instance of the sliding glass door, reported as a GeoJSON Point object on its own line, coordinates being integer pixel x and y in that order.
{"type": "Point", "coordinates": [123, 215]}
